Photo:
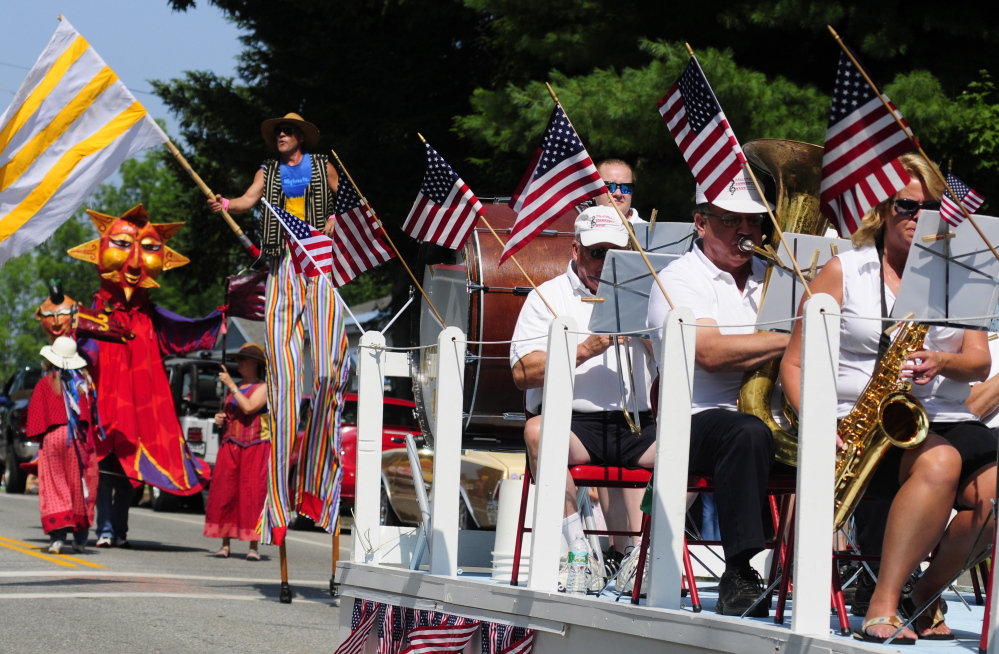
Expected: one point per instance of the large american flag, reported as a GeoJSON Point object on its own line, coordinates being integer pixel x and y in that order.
{"type": "Point", "coordinates": [860, 166]}
{"type": "Point", "coordinates": [358, 241]}
{"type": "Point", "coordinates": [445, 210]}
{"type": "Point", "coordinates": [361, 619]}
{"type": "Point", "coordinates": [697, 122]}
{"type": "Point", "coordinates": [560, 176]}
{"type": "Point", "coordinates": [311, 250]}
{"type": "Point", "coordinates": [451, 635]}
{"type": "Point", "coordinates": [949, 209]}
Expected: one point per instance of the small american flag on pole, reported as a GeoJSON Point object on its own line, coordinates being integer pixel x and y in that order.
{"type": "Point", "coordinates": [860, 166]}
{"type": "Point", "coordinates": [361, 619]}
{"type": "Point", "coordinates": [445, 210]}
{"type": "Point", "coordinates": [697, 122]}
{"type": "Point", "coordinates": [311, 250]}
{"type": "Point", "coordinates": [444, 637]}
{"type": "Point", "coordinates": [560, 176]}
{"type": "Point", "coordinates": [358, 241]}
{"type": "Point", "coordinates": [949, 209]}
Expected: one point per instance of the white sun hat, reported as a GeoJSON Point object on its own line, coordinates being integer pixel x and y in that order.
{"type": "Point", "coordinates": [739, 196]}
{"type": "Point", "coordinates": [62, 354]}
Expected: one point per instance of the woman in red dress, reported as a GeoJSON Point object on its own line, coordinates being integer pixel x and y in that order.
{"type": "Point", "coordinates": [239, 482]}
{"type": "Point", "coordinates": [59, 415]}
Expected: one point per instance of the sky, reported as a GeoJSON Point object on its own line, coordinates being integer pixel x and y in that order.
{"type": "Point", "coordinates": [139, 39]}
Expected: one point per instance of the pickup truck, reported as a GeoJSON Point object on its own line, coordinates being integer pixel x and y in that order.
{"type": "Point", "coordinates": [15, 448]}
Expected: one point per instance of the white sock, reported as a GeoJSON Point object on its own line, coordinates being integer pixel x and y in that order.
{"type": "Point", "coordinates": [572, 528]}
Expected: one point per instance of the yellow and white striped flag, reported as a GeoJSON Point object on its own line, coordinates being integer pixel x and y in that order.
{"type": "Point", "coordinates": [70, 125]}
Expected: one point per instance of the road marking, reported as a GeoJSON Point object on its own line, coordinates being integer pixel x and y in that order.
{"type": "Point", "coordinates": [9, 574]}
{"type": "Point", "coordinates": [60, 556]}
{"type": "Point", "coordinates": [17, 547]}
{"type": "Point", "coordinates": [183, 596]}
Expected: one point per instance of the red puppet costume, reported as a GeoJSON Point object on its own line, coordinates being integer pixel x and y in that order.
{"type": "Point", "coordinates": [133, 395]}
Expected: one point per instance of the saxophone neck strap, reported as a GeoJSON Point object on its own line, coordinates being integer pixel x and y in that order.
{"type": "Point", "coordinates": [885, 340]}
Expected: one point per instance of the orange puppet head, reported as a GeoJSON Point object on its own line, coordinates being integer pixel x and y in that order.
{"type": "Point", "coordinates": [56, 312]}
{"type": "Point", "coordinates": [131, 252]}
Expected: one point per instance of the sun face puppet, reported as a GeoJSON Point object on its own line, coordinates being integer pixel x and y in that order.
{"type": "Point", "coordinates": [130, 252]}
{"type": "Point", "coordinates": [56, 313]}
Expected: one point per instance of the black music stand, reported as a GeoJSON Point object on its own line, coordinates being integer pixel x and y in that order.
{"type": "Point", "coordinates": [622, 300]}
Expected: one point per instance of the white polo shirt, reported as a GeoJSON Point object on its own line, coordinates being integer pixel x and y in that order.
{"type": "Point", "coordinates": [598, 385]}
{"type": "Point", "coordinates": [692, 281]}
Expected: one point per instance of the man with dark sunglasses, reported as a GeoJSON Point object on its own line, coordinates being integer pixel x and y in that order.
{"type": "Point", "coordinates": [721, 281]}
{"type": "Point", "coordinates": [304, 184]}
{"type": "Point", "coordinates": [620, 180]}
{"type": "Point", "coordinates": [600, 433]}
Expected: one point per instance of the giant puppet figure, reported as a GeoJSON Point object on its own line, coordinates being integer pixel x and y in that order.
{"type": "Point", "coordinates": [134, 399]}
{"type": "Point", "coordinates": [56, 313]}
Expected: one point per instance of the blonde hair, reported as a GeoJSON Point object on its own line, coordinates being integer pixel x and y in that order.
{"type": "Point", "coordinates": [872, 227]}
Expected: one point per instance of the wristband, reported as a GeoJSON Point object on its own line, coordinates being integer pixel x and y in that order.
{"type": "Point", "coordinates": [225, 204]}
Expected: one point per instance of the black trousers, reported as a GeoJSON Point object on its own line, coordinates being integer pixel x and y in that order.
{"type": "Point", "coordinates": [737, 450]}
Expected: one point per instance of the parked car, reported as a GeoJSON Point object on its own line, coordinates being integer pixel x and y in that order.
{"type": "Point", "coordinates": [15, 448]}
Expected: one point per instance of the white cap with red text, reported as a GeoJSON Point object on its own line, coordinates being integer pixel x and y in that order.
{"type": "Point", "coordinates": [601, 224]}
{"type": "Point", "coordinates": [739, 196]}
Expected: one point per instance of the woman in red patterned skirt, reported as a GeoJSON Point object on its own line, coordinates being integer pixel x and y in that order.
{"type": "Point", "coordinates": [59, 416]}
{"type": "Point", "coordinates": [239, 482]}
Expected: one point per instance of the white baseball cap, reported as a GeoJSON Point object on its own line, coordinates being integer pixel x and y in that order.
{"type": "Point", "coordinates": [62, 354]}
{"type": "Point", "coordinates": [739, 196]}
{"type": "Point", "coordinates": [601, 224]}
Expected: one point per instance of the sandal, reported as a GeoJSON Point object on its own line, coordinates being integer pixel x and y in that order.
{"type": "Point", "coordinates": [223, 553]}
{"type": "Point", "coordinates": [892, 621]}
{"type": "Point", "coordinates": [253, 555]}
{"type": "Point", "coordinates": [925, 622]}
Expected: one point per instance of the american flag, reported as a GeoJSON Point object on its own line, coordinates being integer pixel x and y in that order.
{"type": "Point", "coordinates": [860, 167]}
{"type": "Point", "coordinates": [697, 122]}
{"type": "Point", "coordinates": [361, 619]}
{"type": "Point", "coordinates": [390, 630]}
{"type": "Point", "coordinates": [311, 250]}
{"type": "Point", "coordinates": [524, 645]}
{"type": "Point", "coordinates": [560, 176]}
{"type": "Point", "coordinates": [445, 637]}
{"type": "Point", "coordinates": [445, 210]}
{"type": "Point", "coordinates": [949, 209]}
{"type": "Point", "coordinates": [358, 242]}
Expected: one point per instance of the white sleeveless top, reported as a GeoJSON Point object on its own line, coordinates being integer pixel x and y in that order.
{"type": "Point", "coordinates": [859, 336]}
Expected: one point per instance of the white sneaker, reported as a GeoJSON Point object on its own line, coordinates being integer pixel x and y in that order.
{"type": "Point", "coordinates": [103, 541]}
{"type": "Point", "coordinates": [55, 547]}
{"type": "Point", "coordinates": [625, 581]}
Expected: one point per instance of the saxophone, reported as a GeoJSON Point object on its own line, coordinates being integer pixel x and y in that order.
{"type": "Point", "coordinates": [885, 414]}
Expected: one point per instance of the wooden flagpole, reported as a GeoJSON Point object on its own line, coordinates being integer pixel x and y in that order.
{"type": "Point", "coordinates": [749, 171]}
{"type": "Point", "coordinates": [513, 257]}
{"type": "Point", "coordinates": [334, 588]}
{"type": "Point", "coordinates": [912, 138]}
{"type": "Point", "coordinates": [624, 220]}
{"type": "Point", "coordinates": [389, 239]}
{"type": "Point", "coordinates": [243, 239]}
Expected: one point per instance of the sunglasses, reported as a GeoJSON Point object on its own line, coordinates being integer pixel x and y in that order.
{"type": "Point", "coordinates": [627, 189]}
{"type": "Point", "coordinates": [909, 208]}
{"type": "Point", "coordinates": [734, 219]}
{"type": "Point", "coordinates": [285, 129]}
{"type": "Point", "coordinates": [597, 253]}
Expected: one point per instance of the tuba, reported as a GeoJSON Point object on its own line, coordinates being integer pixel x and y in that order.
{"type": "Point", "coordinates": [797, 172]}
{"type": "Point", "coordinates": [885, 414]}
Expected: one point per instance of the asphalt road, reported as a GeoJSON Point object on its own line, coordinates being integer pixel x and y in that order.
{"type": "Point", "coordinates": [167, 593]}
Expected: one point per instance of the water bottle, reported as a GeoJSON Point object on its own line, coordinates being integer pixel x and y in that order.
{"type": "Point", "coordinates": [579, 561]}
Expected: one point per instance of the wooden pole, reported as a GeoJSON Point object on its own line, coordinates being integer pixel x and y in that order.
{"type": "Point", "coordinates": [243, 239]}
{"type": "Point", "coordinates": [912, 138]}
{"type": "Point", "coordinates": [512, 257]}
{"type": "Point", "coordinates": [759, 189]}
{"type": "Point", "coordinates": [389, 239]}
{"type": "Point", "coordinates": [285, 595]}
{"type": "Point", "coordinates": [627, 225]}
{"type": "Point", "coordinates": [334, 589]}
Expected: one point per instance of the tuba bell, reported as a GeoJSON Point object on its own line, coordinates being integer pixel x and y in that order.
{"type": "Point", "coordinates": [797, 172]}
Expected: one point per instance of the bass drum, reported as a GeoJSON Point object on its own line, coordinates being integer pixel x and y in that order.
{"type": "Point", "coordinates": [484, 300]}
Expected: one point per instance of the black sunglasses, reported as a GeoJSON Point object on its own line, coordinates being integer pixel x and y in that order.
{"type": "Point", "coordinates": [730, 220]}
{"type": "Point", "coordinates": [909, 208]}
{"type": "Point", "coordinates": [597, 253]}
{"type": "Point", "coordinates": [290, 130]}
{"type": "Point", "coordinates": [627, 189]}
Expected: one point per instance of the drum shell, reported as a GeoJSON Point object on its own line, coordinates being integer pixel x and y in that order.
{"type": "Point", "coordinates": [484, 300]}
